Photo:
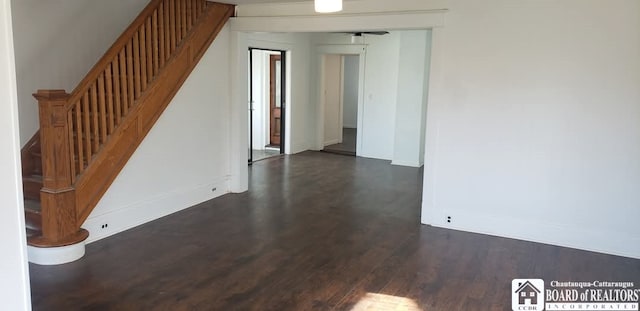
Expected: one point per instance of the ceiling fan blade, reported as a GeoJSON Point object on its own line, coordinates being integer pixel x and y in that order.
{"type": "Point", "coordinates": [377, 33]}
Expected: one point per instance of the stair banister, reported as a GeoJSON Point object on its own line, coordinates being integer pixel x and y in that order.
{"type": "Point", "coordinates": [87, 136]}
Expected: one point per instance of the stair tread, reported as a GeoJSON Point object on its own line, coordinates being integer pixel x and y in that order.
{"type": "Point", "coordinates": [33, 232]}
{"type": "Point", "coordinates": [34, 178]}
{"type": "Point", "coordinates": [32, 206]}
{"type": "Point", "coordinates": [32, 218]}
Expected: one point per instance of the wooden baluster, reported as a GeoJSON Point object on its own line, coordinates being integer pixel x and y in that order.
{"type": "Point", "coordinates": [161, 30]}
{"type": "Point", "coordinates": [86, 113]}
{"type": "Point", "coordinates": [167, 24]}
{"type": "Point", "coordinates": [198, 8]}
{"type": "Point", "coordinates": [149, 45]}
{"type": "Point", "coordinates": [57, 195]}
{"type": "Point", "coordinates": [183, 18]}
{"type": "Point", "coordinates": [103, 110]}
{"type": "Point", "coordinates": [72, 141]}
{"type": "Point", "coordinates": [189, 15]}
{"type": "Point", "coordinates": [123, 81]}
{"type": "Point", "coordinates": [178, 22]}
{"type": "Point", "coordinates": [156, 43]}
{"type": "Point", "coordinates": [130, 77]}
{"type": "Point", "coordinates": [79, 136]}
{"type": "Point", "coordinates": [172, 26]}
{"type": "Point", "coordinates": [136, 65]}
{"type": "Point", "coordinates": [95, 138]}
{"type": "Point", "coordinates": [143, 60]}
{"type": "Point", "coordinates": [109, 92]}
{"type": "Point", "coordinates": [194, 11]}
{"type": "Point", "coordinates": [117, 95]}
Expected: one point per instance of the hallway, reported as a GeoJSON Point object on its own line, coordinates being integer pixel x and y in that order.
{"type": "Point", "coordinates": [316, 231]}
{"type": "Point", "coordinates": [348, 144]}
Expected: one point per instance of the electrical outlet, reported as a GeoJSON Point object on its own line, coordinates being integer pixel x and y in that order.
{"type": "Point", "coordinates": [104, 226]}
{"type": "Point", "coordinates": [214, 189]}
{"type": "Point", "coordinates": [449, 219]}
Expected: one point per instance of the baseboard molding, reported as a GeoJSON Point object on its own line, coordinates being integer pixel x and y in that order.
{"type": "Point", "coordinates": [141, 212]}
{"type": "Point", "coordinates": [589, 238]}
{"type": "Point", "coordinates": [332, 142]}
{"type": "Point", "coordinates": [406, 163]}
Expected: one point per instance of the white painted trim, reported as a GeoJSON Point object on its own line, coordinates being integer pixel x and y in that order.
{"type": "Point", "coordinates": [343, 49]}
{"type": "Point", "coordinates": [332, 142]}
{"type": "Point", "coordinates": [306, 8]}
{"type": "Point", "coordinates": [406, 163]}
{"type": "Point", "coordinates": [342, 22]}
{"type": "Point", "coordinates": [49, 256]}
{"type": "Point", "coordinates": [239, 125]}
{"type": "Point", "coordinates": [435, 100]}
{"type": "Point", "coordinates": [565, 235]}
{"type": "Point", "coordinates": [14, 268]}
{"type": "Point", "coordinates": [137, 213]}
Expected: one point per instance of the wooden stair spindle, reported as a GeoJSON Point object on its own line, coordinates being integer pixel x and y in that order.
{"type": "Point", "coordinates": [59, 221]}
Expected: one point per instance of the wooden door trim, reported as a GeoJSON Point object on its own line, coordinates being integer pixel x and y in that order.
{"type": "Point", "coordinates": [273, 58]}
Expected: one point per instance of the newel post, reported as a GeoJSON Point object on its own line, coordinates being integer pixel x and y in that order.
{"type": "Point", "coordinates": [59, 219]}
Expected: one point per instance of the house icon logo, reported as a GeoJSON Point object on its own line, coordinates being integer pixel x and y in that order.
{"type": "Point", "coordinates": [527, 294]}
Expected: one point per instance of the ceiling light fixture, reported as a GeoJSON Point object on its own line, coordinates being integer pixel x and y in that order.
{"type": "Point", "coordinates": [328, 6]}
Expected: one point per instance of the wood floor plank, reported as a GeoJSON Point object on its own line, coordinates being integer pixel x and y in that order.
{"type": "Point", "coordinates": [316, 231]}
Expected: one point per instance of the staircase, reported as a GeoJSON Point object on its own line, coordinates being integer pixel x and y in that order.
{"type": "Point", "coordinates": [86, 137]}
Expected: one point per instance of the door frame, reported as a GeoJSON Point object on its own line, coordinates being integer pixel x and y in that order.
{"type": "Point", "coordinates": [273, 59]}
{"type": "Point", "coordinates": [283, 98]}
{"type": "Point", "coordinates": [339, 49]}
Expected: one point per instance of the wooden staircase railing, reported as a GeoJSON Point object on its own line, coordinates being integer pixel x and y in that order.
{"type": "Point", "coordinates": [86, 137]}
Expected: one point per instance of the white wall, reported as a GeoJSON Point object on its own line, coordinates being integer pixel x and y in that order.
{"type": "Point", "coordinates": [380, 92]}
{"type": "Point", "coordinates": [411, 104]}
{"type": "Point", "coordinates": [184, 156]}
{"type": "Point", "coordinates": [58, 42]}
{"type": "Point", "coordinates": [350, 91]}
{"type": "Point", "coordinates": [260, 122]}
{"type": "Point", "coordinates": [534, 122]}
{"type": "Point", "coordinates": [332, 94]}
{"type": "Point", "coordinates": [14, 280]}
{"type": "Point", "coordinates": [391, 111]}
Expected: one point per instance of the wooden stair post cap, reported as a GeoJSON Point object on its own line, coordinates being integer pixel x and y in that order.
{"type": "Point", "coordinates": [51, 94]}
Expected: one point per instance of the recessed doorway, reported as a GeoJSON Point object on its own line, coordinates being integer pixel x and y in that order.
{"type": "Point", "coordinates": [266, 103]}
{"type": "Point", "coordinates": [341, 89]}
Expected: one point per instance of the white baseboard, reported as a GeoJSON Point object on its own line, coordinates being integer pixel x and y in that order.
{"type": "Point", "coordinates": [406, 163]}
{"type": "Point", "coordinates": [332, 142]}
{"type": "Point", "coordinates": [141, 212]}
{"type": "Point", "coordinates": [590, 238]}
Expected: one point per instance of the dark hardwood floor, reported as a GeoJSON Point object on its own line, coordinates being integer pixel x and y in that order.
{"type": "Point", "coordinates": [316, 231]}
{"type": "Point", "coordinates": [348, 144]}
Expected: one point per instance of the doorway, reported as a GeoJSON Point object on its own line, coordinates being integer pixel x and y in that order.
{"type": "Point", "coordinates": [341, 91]}
{"type": "Point", "coordinates": [267, 85]}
